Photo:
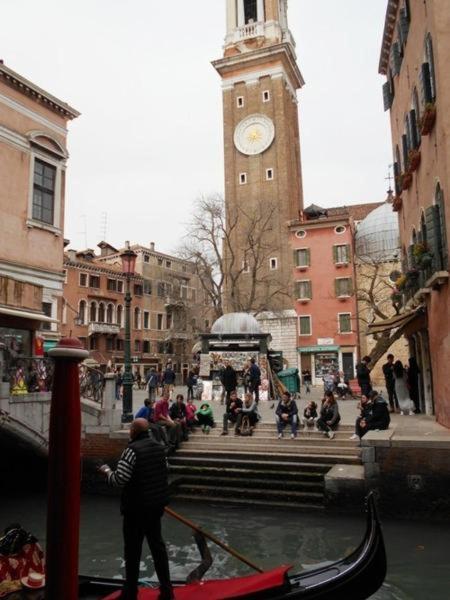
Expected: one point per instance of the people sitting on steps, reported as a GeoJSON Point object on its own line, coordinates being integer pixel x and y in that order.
{"type": "Point", "coordinates": [310, 416]}
{"type": "Point", "coordinates": [247, 416]}
{"type": "Point", "coordinates": [205, 417]}
{"type": "Point", "coordinates": [374, 415]}
{"type": "Point", "coordinates": [233, 405]}
{"type": "Point", "coordinates": [177, 413]}
{"type": "Point", "coordinates": [157, 432]}
{"type": "Point", "coordinates": [162, 417]}
{"type": "Point", "coordinates": [329, 415]}
{"type": "Point", "coordinates": [287, 414]}
{"type": "Point", "coordinates": [191, 409]}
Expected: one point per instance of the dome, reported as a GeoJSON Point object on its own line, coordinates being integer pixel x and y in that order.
{"type": "Point", "coordinates": [235, 323]}
{"type": "Point", "coordinates": [378, 235]}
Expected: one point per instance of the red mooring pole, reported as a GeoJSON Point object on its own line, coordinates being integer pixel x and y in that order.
{"type": "Point", "coordinates": [64, 473]}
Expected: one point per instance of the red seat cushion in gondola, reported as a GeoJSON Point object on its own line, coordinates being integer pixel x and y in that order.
{"type": "Point", "coordinates": [222, 589]}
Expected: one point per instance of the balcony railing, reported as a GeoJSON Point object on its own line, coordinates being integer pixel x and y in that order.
{"type": "Point", "coordinates": [107, 328]}
{"type": "Point", "coordinates": [250, 30]}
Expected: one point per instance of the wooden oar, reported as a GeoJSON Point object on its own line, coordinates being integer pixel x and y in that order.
{"type": "Point", "coordinates": [213, 538]}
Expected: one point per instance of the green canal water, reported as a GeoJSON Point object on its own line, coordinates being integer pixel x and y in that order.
{"type": "Point", "coordinates": [418, 553]}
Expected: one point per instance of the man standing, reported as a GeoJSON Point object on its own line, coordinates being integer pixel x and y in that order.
{"type": "Point", "coordinates": [142, 473]}
{"type": "Point", "coordinates": [388, 372]}
{"type": "Point", "coordinates": [229, 380]}
{"type": "Point", "coordinates": [363, 376]}
{"type": "Point", "coordinates": [255, 379]}
{"type": "Point", "coordinates": [152, 383]}
{"type": "Point", "coordinates": [168, 380]}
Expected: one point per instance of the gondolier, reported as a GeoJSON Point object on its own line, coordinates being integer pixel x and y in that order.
{"type": "Point", "coordinates": [142, 473]}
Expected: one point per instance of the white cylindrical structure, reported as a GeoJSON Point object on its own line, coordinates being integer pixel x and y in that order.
{"type": "Point", "coordinates": [241, 13]}
{"type": "Point", "coordinates": [231, 15]}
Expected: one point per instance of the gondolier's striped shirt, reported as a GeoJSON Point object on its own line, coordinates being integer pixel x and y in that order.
{"type": "Point", "coordinates": [124, 471]}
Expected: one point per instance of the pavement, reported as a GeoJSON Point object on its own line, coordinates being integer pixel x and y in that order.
{"type": "Point", "coordinates": [420, 426]}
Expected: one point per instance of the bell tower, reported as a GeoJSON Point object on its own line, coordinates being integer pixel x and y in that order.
{"type": "Point", "coordinates": [263, 181]}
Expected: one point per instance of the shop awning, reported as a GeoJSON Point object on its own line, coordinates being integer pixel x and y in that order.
{"type": "Point", "coordinates": [394, 322]}
{"type": "Point", "coordinates": [313, 349]}
{"type": "Point", "coordinates": [26, 314]}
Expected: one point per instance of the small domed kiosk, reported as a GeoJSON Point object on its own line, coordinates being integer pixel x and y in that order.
{"type": "Point", "coordinates": [236, 332]}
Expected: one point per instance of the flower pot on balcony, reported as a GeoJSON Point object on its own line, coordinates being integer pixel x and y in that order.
{"type": "Point", "coordinates": [414, 157]}
{"type": "Point", "coordinates": [397, 203]}
{"type": "Point", "coordinates": [426, 260]}
{"type": "Point", "coordinates": [428, 119]}
{"type": "Point", "coordinates": [406, 181]}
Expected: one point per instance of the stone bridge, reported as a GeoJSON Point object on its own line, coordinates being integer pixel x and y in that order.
{"type": "Point", "coordinates": [25, 418]}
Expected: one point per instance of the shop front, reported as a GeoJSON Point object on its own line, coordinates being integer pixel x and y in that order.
{"type": "Point", "coordinates": [321, 360]}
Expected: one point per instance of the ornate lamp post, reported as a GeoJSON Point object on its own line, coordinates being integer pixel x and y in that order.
{"type": "Point", "coordinates": [128, 266]}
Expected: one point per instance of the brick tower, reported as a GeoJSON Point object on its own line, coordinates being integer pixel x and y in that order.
{"type": "Point", "coordinates": [263, 183]}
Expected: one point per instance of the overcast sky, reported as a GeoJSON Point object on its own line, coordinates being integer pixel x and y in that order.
{"type": "Point", "coordinates": [149, 139]}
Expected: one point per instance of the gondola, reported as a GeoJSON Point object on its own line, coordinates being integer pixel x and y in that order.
{"type": "Point", "coordinates": [356, 577]}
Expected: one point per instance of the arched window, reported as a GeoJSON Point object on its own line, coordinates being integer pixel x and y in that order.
{"type": "Point", "coordinates": [82, 312]}
{"type": "Point", "coordinates": [101, 313]}
{"type": "Point", "coordinates": [251, 11]}
{"type": "Point", "coordinates": [137, 318]}
{"type": "Point", "coordinates": [93, 312]}
{"type": "Point", "coordinates": [429, 56]}
{"type": "Point", "coordinates": [110, 313]}
{"type": "Point", "coordinates": [423, 229]}
{"type": "Point", "coordinates": [120, 315]}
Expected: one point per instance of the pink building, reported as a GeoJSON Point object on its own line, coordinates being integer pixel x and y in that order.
{"type": "Point", "coordinates": [324, 278]}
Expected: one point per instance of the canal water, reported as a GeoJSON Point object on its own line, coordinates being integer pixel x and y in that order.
{"type": "Point", "coordinates": [418, 553]}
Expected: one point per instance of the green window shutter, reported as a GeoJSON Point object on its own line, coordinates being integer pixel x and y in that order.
{"type": "Point", "coordinates": [410, 253]}
{"type": "Point", "coordinates": [296, 261]}
{"type": "Point", "coordinates": [387, 96]}
{"type": "Point", "coordinates": [336, 287]}
{"type": "Point", "coordinates": [425, 84]}
{"type": "Point", "coordinates": [297, 290]}
{"type": "Point", "coordinates": [433, 226]}
{"type": "Point", "coordinates": [396, 59]}
{"type": "Point", "coordinates": [309, 290]}
{"type": "Point", "coordinates": [443, 232]}
{"type": "Point", "coordinates": [415, 135]}
{"type": "Point", "coordinates": [404, 25]}
{"type": "Point", "coordinates": [308, 257]}
{"type": "Point", "coordinates": [351, 290]}
{"type": "Point", "coordinates": [397, 170]}
{"type": "Point", "coordinates": [335, 254]}
{"type": "Point", "coordinates": [347, 253]}
{"type": "Point", "coordinates": [405, 150]}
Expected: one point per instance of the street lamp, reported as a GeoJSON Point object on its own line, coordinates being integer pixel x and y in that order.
{"type": "Point", "coordinates": [128, 258]}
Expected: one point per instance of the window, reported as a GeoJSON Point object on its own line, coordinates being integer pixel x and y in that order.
{"type": "Point", "coordinates": [250, 11]}
{"type": "Point", "coordinates": [429, 54]}
{"type": "Point", "coordinates": [269, 174]}
{"type": "Point", "coordinates": [240, 101]}
{"type": "Point", "coordinates": [137, 318]}
{"type": "Point", "coordinates": [273, 262]}
{"type": "Point", "coordinates": [345, 323]}
{"type": "Point", "coordinates": [101, 313]}
{"type": "Point", "coordinates": [161, 347]}
{"type": "Point", "coordinates": [93, 343]}
{"type": "Point", "coordinates": [168, 264]}
{"type": "Point", "coordinates": [110, 344]}
{"type": "Point", "coordinates": [47, 310]}
{"type": "Point", "coordinates": [305, 325]}
{"type": "Point", "coordinates": [266, 96]}
{"type": "Point", "coordinates": [82, 312]}
{"type": "Point", "coordinates": [137, 345]}
{"type": "Point", "coordinates": [160, 322]}
{"type": "Point", "coordinates": [120, 315]}
{"type": "Point", "coordinates": [206, 324]}
{"type": "Point", "coordinates": [146, 258]}
{"type": "Point", "coordinates": [162, 289]}
{"type": "Point", "coordinates": [340, 229]}
{"type": "Point", "coordinates": [146, 320]}
{"type": "Point", "coordinates": [341, 254]}
{"type": "Point", "coordinates": [242, 178]}
{"type": "Point", "coordinates": [138, 290]}
{"type": "Point", "coordinates": [160, 262]}
{"type": "Point", "coordinates": [94, 281]}
{"type": "Point", "coordinates": [44, 192]}
{"type": "Point", "coordinates": [111, 285]}
{"type": "Point", "coordinates": [169, 321]}
{"type": "Point", "coordinates": [146, 347]}
{"type": "Point", "coordinates": [148, 288]}
{"type": "Point", "coordinates": [301, 234]}
{"type": "Point", "coordinates": [183, 292]}
{"type": "Point", "coordinates": [93, 312]}
{"type": "Point", "coordinates": [302, 257]}
{"type": "Point", "coordinates": [343, 287]}
{"type": "Point", "coordinates": [193, 294]}
{"type": "Point", "coordinates": [65, 274]}
{"type": "Point", "coordinates": [119, 345]}
{"type": "Point", "coordinates": [110, 314]}
{"type": "Point", "coordinates": [83, 280]}
{"type": "Point", "coordinates": [120, 287]}
{"type": "Point", "coordinates": [303, 290]}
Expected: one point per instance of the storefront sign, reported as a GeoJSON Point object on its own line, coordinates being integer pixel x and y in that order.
{"type": "Point", "coordinates": [313, 349]}
{"type": "Point", "coordinates": [325, 342]}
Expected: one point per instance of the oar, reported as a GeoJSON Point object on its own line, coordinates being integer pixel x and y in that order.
{"type": "Point", "coordinates": [213, 538]}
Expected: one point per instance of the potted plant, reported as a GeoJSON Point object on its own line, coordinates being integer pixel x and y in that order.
{"type": "Point", "coordinates": [397, 203]}
{"type": "Point", "coordinates": [428, 118]}
{"type": "Point", "coordinates": [406, 180]}
{"type": "Point", "coordinates": [414, 157]}
{"type": "Point", "coordinates": [423, 256]}
{"type": "Point", "coordinates": [426, 260]}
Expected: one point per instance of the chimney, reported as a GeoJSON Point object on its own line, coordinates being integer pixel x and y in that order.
{"type": "Point", "coordinates": [72, 255]}
{"type": "Point", "coordinates": [152, 246]}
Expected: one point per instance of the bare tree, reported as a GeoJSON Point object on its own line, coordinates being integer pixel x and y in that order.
{"type": "Point", "coordinates": [231, 251]}
{"type": "Point", "coordinates": [375, 294]}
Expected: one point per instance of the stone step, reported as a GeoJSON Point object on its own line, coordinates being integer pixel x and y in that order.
{"type": "Point", "coordinates": [271, 426]}
{"type": "Point", "coordinates": [238, 462]}
{"type": "Point", "coordinates": [318, 439]}
{"type": "Point", "coordinates": [281, 447]}
{"type": "Point", "coordinates": [251, 484]}
{"type": "Point", "coordinates": [280, 456]}
{"type": "Point", "coordinates": [271, 434]}
{"type": "Point", "coordinates": [257, 494]}
{"type": "Point", "coordinates": [248, 473]}
{"type": "Point", "coordinates": [252, 503]}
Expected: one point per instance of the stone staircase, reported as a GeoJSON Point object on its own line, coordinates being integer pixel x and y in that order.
{"type": "Point", "coordinates": [259, 470]}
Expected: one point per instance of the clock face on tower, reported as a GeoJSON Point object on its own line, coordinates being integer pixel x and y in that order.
{"type": "Point", "coordinates": [254, 134]}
